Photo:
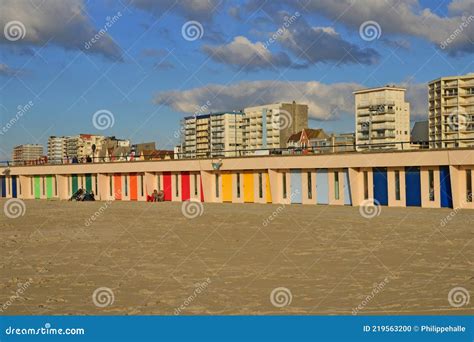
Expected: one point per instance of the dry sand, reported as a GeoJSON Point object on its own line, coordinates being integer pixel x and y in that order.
{"type": "Point", "coordinates": [153, 259]}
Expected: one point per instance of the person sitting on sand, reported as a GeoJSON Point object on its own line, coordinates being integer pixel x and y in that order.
{"type": "Point", "coordinates": [161, 196]}
{"type": "Point", "coordinates": [155, 196]}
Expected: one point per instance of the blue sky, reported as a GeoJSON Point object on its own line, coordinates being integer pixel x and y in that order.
{"type": "Point", "coordinates": [149, 74]}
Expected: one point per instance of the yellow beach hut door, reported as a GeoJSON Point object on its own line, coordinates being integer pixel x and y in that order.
{"type": "Point", "coordinates": [227, 187]}
{"type": "Point", "coordinates": [249, 196]}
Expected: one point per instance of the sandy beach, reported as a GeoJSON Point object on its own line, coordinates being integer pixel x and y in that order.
{"type": "Point", "coordinates": [148, 258]}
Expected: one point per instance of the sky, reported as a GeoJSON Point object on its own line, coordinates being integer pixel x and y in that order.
{"type": "Point", "coordinates": [134, 68]}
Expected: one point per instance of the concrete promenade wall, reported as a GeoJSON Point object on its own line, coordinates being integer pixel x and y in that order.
{"type": "Point", "coordinates": [403, 178]}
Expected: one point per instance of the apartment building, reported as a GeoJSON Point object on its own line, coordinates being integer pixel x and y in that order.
{"type": "Point", "coordinates": [57, 151]}
{"type": "Point", "coordinates": [212, 135]}
{"type": "Point", "coordinates": [451, 111]}
{"type": "Point", "coordinates": [318, 141]}
{"type": "Point", "coordinates": [342, 142]}
{"type": "Point", "coordinates": [382, 118]}
{"type": "Point", "coordinates": [270, 126]}
{"type": "Point", "coordinates": [81, 146]}
{"type": "Point", "coordinates": [308, 138]}
{"type": "Point", "coordinates": [113, 149]}
{"type": "Point", "coordinates": [26, 154]}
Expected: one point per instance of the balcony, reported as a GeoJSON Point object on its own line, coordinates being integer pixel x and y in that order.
{"type": "Point", "coordinates": [384, 126]}
{"type": "Point", "coordinates": [383, 118]}
{"type": "Point", "coordinates": [450, 94]}
{"type": "Point", "coordinates": [375, 103]}
{"type": "Point", "coordinates": [384, 136]}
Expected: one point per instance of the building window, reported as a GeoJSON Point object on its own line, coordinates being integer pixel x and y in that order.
{"type": "Point", "coordinates": [158, 179]}
{"type": "Point", "coordinates": [260, 185]}
{"type": "Point", "coordinates": [217, 185]}
{"type": "Point", "coordinates": [176, 183]}
{"type": "Point", "coordinates": [468, 186]}
{"type": "Point", "coordinates": [195, 184]}
{"type": "Point", "coordinates": [310, 186]}
{"type": "Point", "coordinates": [126, 185]}
{"type": "Point", "coordinates": [284, 184]}
{"type": "Point", "coordinates": [397, 185]}
{"type": "Point", "coordinates": [431, 185]}
{"type": "Point", "coordinates": [238, 185]}
{"type": "Point", "coordinates": [366, 185]}
{"type": "Point", "coordinates": [141, 184]}
{"type": "Point", "coordinates": [336, 185]}
{"type": "Point", "coordinates": [110, 185]}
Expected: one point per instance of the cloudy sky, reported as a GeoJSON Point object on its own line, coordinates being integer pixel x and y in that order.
{"type": "Point", "coordinates": [146, 63]}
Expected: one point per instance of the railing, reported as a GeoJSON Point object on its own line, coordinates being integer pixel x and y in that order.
{"type": "Point", "coordinates": [327, 149]}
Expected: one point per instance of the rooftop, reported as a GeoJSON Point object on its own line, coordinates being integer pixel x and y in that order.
{"type": "Point", "coordinates": [374, 89]}
{"type": "Point", "coordinates": [207, 115]}
{"type": "Point", "coordinates": [468, 75]}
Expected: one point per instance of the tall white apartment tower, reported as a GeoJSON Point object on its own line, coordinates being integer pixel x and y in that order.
{"type": "Point", "coordinates": [451, 111]}
{"type": "Point", "coordinates": [382, 118]}
{"type": "Point", "coordinates": [56, 149]}
{"type": "Point", "coordinates": [269, 126]}
{"type": "Point", "coordinates": [212, 135]}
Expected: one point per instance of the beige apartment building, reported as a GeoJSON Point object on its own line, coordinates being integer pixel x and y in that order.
{"type": "Point", "coordinates": [80, 146]}
{"type": "Point", "coordinates": [212, 135]}
{"type": "Point", "coordinates": [382, 118]}
{"type": "Point", "coordinates": [24, 154]}
{"type": "Point", "coordinates": [451, 111]}
{"type": "Point", "coordinates": [270, 126]}
{"type": "Point", "coordinates": [57, 149]}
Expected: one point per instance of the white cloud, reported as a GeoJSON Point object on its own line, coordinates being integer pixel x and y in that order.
{"type": "Point", "coordinates": [243, 54]}
{"type": "Point", "coordinates": [325, 101]}
{"type": "Point", "coordinates": [406, 17]}
{"type": "Point", "coordinates": [324, 44]}
{"type": "Point", "coordinates": [59, 22]}
{"type": "Point", "coordinates": [417, 95]}
{"type": "Point", "coordinates": [5, 70]}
